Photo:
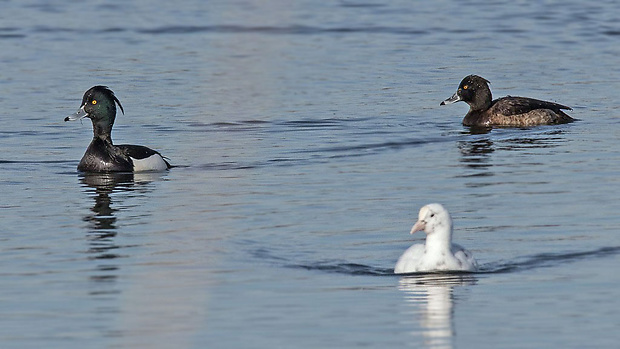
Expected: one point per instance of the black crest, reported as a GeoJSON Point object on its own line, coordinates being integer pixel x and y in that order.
{"type": "Point", "coordinates": [88, 95]}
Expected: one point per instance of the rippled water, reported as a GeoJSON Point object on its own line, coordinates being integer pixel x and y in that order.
{"type": "Point", "coordinates": [306, 137]}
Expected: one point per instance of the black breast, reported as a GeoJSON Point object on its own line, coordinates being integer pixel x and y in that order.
{"type": "Point", "coordinates": [101, 156]}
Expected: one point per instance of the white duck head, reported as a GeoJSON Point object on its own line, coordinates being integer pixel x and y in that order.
{"type": "Point", "coordinates": [435, 220]}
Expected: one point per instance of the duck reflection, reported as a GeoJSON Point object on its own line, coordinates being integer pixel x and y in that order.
{"type": "Point", "coordinates": [102, 220]}
{"type": "Point", "coordinates": [481, 142]}
{"type": "Point", "coordinates": [477, 149]}
{"type": "Point", "coordinates": [432, 297]}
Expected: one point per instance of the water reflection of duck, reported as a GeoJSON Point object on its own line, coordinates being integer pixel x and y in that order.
{"type": "Point", "coordinates": [507, 111]}
{"type": "Point", "coordinates": [102, 219]}
{"type": "Point", "coordinates": [432, 295]}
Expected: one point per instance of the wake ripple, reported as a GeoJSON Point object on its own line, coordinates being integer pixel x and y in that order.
{"type": "Point", "coordinates": [345, 268]}
{"type": "Point", "coordinates": [544, 260]}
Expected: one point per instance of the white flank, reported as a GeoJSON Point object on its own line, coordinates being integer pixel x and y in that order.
{"type": "Point", "coordinates": [153, 163]}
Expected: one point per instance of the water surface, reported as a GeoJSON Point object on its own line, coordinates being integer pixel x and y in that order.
{"type": "Point", "coordinates": [307, 135]}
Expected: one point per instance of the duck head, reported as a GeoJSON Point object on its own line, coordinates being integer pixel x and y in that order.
{"type": "Point", "coordinates": [434, 220]}
{"type": "Point", "coordinates": [473, 90]}
{"type": "Point", "coordinates": [99, 105]}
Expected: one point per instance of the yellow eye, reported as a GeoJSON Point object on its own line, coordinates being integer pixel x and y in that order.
{"type": "Point", "coordinates": [94, 101]}
{"type": "Point", "coordinates": [464, 88]}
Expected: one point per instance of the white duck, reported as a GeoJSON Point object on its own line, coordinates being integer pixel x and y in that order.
{"type": "Point", "coordinates": [439, 253]}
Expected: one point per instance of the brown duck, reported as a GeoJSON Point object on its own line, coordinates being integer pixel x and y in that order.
{"type": "Point", "coordinates": [507, 111]}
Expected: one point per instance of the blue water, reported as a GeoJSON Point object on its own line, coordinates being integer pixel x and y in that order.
{"type": "Point", "coordinates": [307, 135]}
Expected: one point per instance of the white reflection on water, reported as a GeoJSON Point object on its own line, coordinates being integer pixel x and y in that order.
{"type": "Point", "coordinates": [431, 297]}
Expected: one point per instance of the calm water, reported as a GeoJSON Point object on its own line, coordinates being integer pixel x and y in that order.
{"type": "Point", "coordinates": [307, 135]}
